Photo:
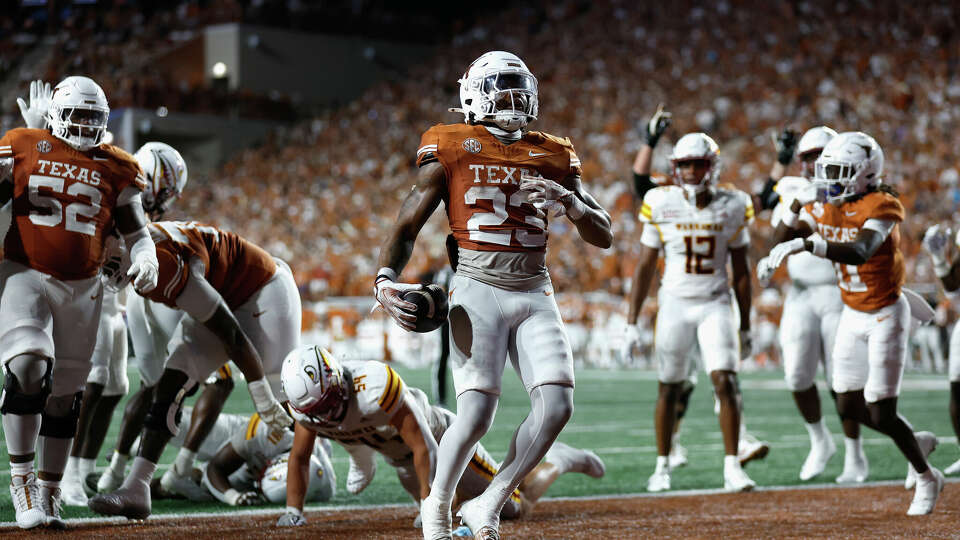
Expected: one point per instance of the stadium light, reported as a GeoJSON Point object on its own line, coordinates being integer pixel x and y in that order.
{"type": "Point", "coordinates": [219, 70]}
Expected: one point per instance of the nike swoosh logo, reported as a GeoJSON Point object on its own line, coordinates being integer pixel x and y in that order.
{"type": "Point", "coordinates": [533, 154]}
{"type": "Point", "coordinates": [849, 214]}
{"type": "Point", "coordinates": [259, 313]}
{"type": "Point", "coordinates": [94, 297]}
{"type": "Point", "coordinates": [95, 158]}
{"type": "Point", "coordinates": [881, 319]}
{"type": "Point", "coordinates": [450, 294]}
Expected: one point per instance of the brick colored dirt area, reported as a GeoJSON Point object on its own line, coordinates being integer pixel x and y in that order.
{"type": "Point", "coordinates": [874, 512]}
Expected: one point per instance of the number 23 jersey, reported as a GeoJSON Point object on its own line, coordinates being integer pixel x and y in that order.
{"type": "Point", "coordinates": [485, 207]}
{"type": "Point", "coordinates": [695, 241]}
{"type": "Point", "coordinates": [63, 201]}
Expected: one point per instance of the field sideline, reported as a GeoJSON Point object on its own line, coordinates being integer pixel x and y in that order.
{"type": "Point", "coordinates": [614, 417]}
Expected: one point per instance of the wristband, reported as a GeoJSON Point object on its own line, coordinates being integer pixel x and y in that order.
{"type": "Point", "coordinates": [790, 219]}
{"type": "Point", "coordinates": [261, 394]}
{"type": "Point", "coordinates": [576, 209]}
{"type": "Point", "coordinates": [387, 273]}
{"type": "Point", "coordinates": [818, 246]}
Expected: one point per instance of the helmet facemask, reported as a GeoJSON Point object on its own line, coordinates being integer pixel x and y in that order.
{"type": "Point", "coordinates": [80, 127]}
{"type": "Point", "coordinates": [836, 180]}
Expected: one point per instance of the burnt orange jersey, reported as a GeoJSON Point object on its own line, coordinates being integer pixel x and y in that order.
{"type": "Point", "coordinates": [485, 208]}
{"type": "Point", "coordinates": [63, 201]}
{"type": "Point", "coordinates": [234, 267]}
{"type": "Point", "coordinates": [877, 282]}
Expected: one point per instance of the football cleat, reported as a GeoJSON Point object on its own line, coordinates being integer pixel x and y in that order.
{"type": "Point", "coordinates": [856, 468]}
{"type": "Point", "coordinates": [26, 500]}
{"type": "Point", "coordinates": [570, 459]}
{"type": "Point", "coordinates": [483, 521]}
{"type": "Point", "coordinates": [72, 491]}
{"type": "Point", "coordinates": [487, 533]}
{"type": "Point", "coordinates": [750, 448]}
{"type": "Point", "coordinates": [927, 442]}
{"type": "Point", "coordinates": [735, 479]}
{"type": "Point", "coordinates": [927, 493]}
{"type": "Point", "coordinates": [817, 459]}
{"type": "Point", "coordinates": [678, 456]}
{"type": "Point", "coordinates": [953, 469]}
{"type": "Point", "coordinates": [130, 502]}
{"type": "Point", "coordinates": [51, 505]}
{"type": "Point", "coordinates": [659, 481]}
{"type": "Point", "coordinates": [185, 485]}
{"type": "Point", "coordinates": [435, 519]}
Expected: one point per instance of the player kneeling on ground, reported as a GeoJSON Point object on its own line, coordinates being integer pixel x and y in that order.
{"type": "Point", "coordinates": [366, 406]}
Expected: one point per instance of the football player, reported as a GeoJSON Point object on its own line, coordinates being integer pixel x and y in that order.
{"type": "Point", "coordinates": [69, 189]}
{"type": "Point", "coordinates": [942, 246]}
{"type": "Point", "coordinates": [811, 310]}
{"type": "Point", "coordinates": [239, 304]}
{"type": "Point", "coordinates": [366, 406]}
{"type": "Point", "coordinates": [858, 229]}
{"type": "Point", "coordinates": [699, 226]}
{"type": "Point", "coordinates": [498, 181]}
{"type": "Point", "coordinates": [165, 173]}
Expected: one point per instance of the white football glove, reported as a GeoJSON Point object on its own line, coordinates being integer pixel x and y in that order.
{"type": "Point", "coordinates": [631, 340]}
{"type": "Point", "coordinates": [35, 115]}
{"type": "Point", "coordinates": [293, 517]}
{"type": "Point", "coordinates": [781, 251]}
{"type": "Point", "coordinates": [746, 344]}
{"type": "Point", "coordinates": [268, 407]}
{"type": "Point", "coordinates": [144, 271]}
{"type": "Point", "coordinates": [937, 242]}
{"type": "Point", "coordinates": [543, 191]}
{"type": "Point", "coordinates": [390, 297]}
{"type": "Point", "coordinates": [765, 271]}
{"type": "Point", "coordinates": [250, 498]}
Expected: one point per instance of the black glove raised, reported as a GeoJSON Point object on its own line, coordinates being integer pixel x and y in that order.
{"type": "Point", "coordinates": [786, 144]}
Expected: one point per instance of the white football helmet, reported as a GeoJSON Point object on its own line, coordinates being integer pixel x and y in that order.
{"type": "Point", "coordinates": [78, 113]}
{"type": "Point", "coordinates": [849, 164]}
{"type": "Point", "coordinates": [314, 384]}
{"type": "Point", "coordinates": [813, 142]}
{"type": "Point", "coordinates": [694, 146]}
{"type": "Point", "coordinates": [498, 88]}
{"type": "Point", "coordinates": [321, 486]}
{"type": "Point", "coordinates": [166, 175]}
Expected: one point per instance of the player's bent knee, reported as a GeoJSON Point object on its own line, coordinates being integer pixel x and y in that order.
{"type": "Point", "coordinates": [27, 383]}
{"type": "Point", "coordinates": [60, 416]}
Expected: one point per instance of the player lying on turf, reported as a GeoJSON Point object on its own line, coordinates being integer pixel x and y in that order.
{"type": "Point", "coordinates": [366, 406]}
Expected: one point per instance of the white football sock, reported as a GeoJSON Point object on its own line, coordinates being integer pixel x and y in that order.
{"type": "Point", "coordinates": [20, 469]}
{"type": "Point", "coordinates": [84, 467]}
{"type": "Point", "coordinates": [118, 463]}
{"type": "Point", "coordinates": [730, 462]}
{"type": "Point", "coordinates": [853, 447]}
{"type": "Point", "coordinates": [663, 463]}
{"type": "Point", "coordinates": [817, 430]}
{"type": "Point", "coordinates": [184, 462]}
{"type": "Point", "coordinates": [141, 471]}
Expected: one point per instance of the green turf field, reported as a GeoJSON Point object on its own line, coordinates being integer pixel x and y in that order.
{"type": "Point", "coordinates": [614, 417]}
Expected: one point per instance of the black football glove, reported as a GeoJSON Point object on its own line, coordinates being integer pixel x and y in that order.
{"type": "Point", "coordinates": [654, 128]}
{"type": "Point", "coordinates": [786, 144]}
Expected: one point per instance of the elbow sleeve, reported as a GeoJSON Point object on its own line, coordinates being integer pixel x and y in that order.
{"type": "Point", "coordinates": [642, 184]}
{"type": "Point", "coordinates": [768, 197]}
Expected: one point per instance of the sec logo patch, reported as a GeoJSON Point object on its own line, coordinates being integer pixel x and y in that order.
{"type": "Point", "coordinates": [44, 146]}
{"type": "Point", "coordinates": [472, 145]}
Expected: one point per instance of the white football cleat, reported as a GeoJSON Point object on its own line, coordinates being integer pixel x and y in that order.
{"type": "Point", "coordinates": [571, 459]}
{"type": "Point", "coordinates": [735, 479]}
{"type": "Point", "coordinates": [51, 505]}
{"type": "Point", "coordinates": [953, 469]}
{"type": "Point", "coordinates": [750, 448]}
{"type": "Point", "coordinates": [818, 458]}
{"type": "Point", "coordinates": [928, 443]}
{"type": "Point", "coordinates": [926, 495]}
{"type": "Point", "coordinates": [482, 520]}
{"type": "Point", "coordinates": [677, 457]}
{"type": "Point", "coordinates": [856, 468]}
{"type": "Point", "coordinates": [185, 485]}
{"type": "Point", "coordinates": [363, 466]}
{"type": "Point", "coordinates": [109, 481]}
{"type": "Point", "coordinates": [659, 481]}
{"type": "Point", "coordinates": [72, 492]}
{"type": "Point", "coordinates": [26, 500]}
{"type": "Point", "coordinates": [436, 520]}
{"type": "Point", "coordinates": [130, 502]}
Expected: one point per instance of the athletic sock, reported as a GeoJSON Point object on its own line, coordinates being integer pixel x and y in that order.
{"type": "Point", "coordinates": [84, 466]}
{"type": "Point", "coordinates": [184, 462]}
{"type": "Point", "coordinates": [730, 462]}
{"type": "Point", "coordinates": [663, 463]}
{"type": "Point", "coordinates": [20, 469]}
{"type": "Point", "coordinates": [853, 447]}
{"type": "Point", "coordinates": [817, 430]}
{"type": "Point", "coordinates": [118, 463]}
{"type": "Point", "coordinates": [140, 472]}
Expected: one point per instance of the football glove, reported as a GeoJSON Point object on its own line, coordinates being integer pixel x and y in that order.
{"type": "Point", "coordinates": [250, 498]}
{"type": "Point", "coordinates": [35, 114]}
{"type": "Point", "coordinates": [631, 340]}
{"type": "Point", "coordinates": [786, 145]}
{"type": "Point", "coordinates": [268, 407]}
{"type": "Point", "coordinates": [144, 271]}
{"type": "Point", "coordinates": [547, 195]}
{"type": "Point", "coordinates": [654, 128]}
{"type": "Point", "coordinates": [293, 517]}
{"type": "Point", "coordinates": [937, 242]}
{"type": "Point", "coordinates": [389, 296]}
{"type": "Point", "coordinates": [765, 271]}
{"type": "Point", "coordinates": [746, 344]}
{"type": "Point", "coordinates": [781, 251]}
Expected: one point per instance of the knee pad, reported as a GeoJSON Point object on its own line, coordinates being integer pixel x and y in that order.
{"type": "Point", "coordinates": [15, 401]}
{"type": "Point", "coordinates": [164, 414]}
{"type": "Point", "coordinates": [61, 423]}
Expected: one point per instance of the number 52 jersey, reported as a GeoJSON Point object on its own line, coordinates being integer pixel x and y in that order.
{"type": "Point", "coordinates": [695, 241]}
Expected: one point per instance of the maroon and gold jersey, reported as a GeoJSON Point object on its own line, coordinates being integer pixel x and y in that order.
{"type": "Point", "coordinates": [486, 210]}
{"type": "Point", "coordinates": [234, 267]}
{"type": "Point", "coordinates": [877, 282]}
{"type": "Point", "coordinates": [63, 201]}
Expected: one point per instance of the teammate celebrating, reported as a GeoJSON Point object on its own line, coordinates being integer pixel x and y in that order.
{"type": "Point", "coordinates": [811, 310]}
{"type": "Point", "coordinates": [68, 190]}
{"type": "Point", "coordinates": [239, 304]}
{"type": "Point", "coordinates": [497, 179]}
{"type": "Point", "coordinates": [367, 405]}
{"type": "Point", "coordinates": [698, 226]}
{"type": "Point", "coordinates": [859, 230]}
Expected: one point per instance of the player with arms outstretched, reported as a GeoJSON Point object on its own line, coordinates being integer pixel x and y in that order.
{"type": "Point", "coordinates": [858, 229]}
{"type": "Point", "coordinates": [496, 179]}
{"type": "Point", "coordinates": [68, 190]}
{"type": "Point", "coordinates": [699, 226]}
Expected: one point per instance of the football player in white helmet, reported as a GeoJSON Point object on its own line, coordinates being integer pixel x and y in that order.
{"type": "Point", "coordinates": [811, 310]}
{"type": "Point", "coordinates": [699, 226]}
{"type": "Point", "coordinates": [859, 231]}
{"type": "Point", "coordinates": [51, 267]}
{"type": "Point", "coordinates": [499, 220]}
{"type": "Point", "coordinates": [366, 407]}
{"type": "Point", "coordinates": [943, 246]}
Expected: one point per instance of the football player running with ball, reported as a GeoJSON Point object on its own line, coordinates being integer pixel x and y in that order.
{"type": "Point", "coordinates": [699, 226]}
{"type": "Point", "coordinates": [68, 190]}
{"type": "Point", "coordinates": [858, 228]}
{"type": "Point", "coordinates": [498, 181]}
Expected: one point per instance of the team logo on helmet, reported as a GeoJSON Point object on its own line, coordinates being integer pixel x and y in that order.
{"type": "Point", "coordinates": [472, 145]}
{"type": "Point", "coordinates": [312, 373]}
{"type": "Point", "coordinates": [44, 146]}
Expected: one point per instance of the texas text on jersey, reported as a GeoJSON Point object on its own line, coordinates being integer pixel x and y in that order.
{"type": "Point", "coordinates": [234, 267]}
{"type": "Point", "coordinates": [486, 210]}
{"type": "Point", "coordinates": [877, 282]}
{"type": "Point", "coordinates": [63, 201]}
